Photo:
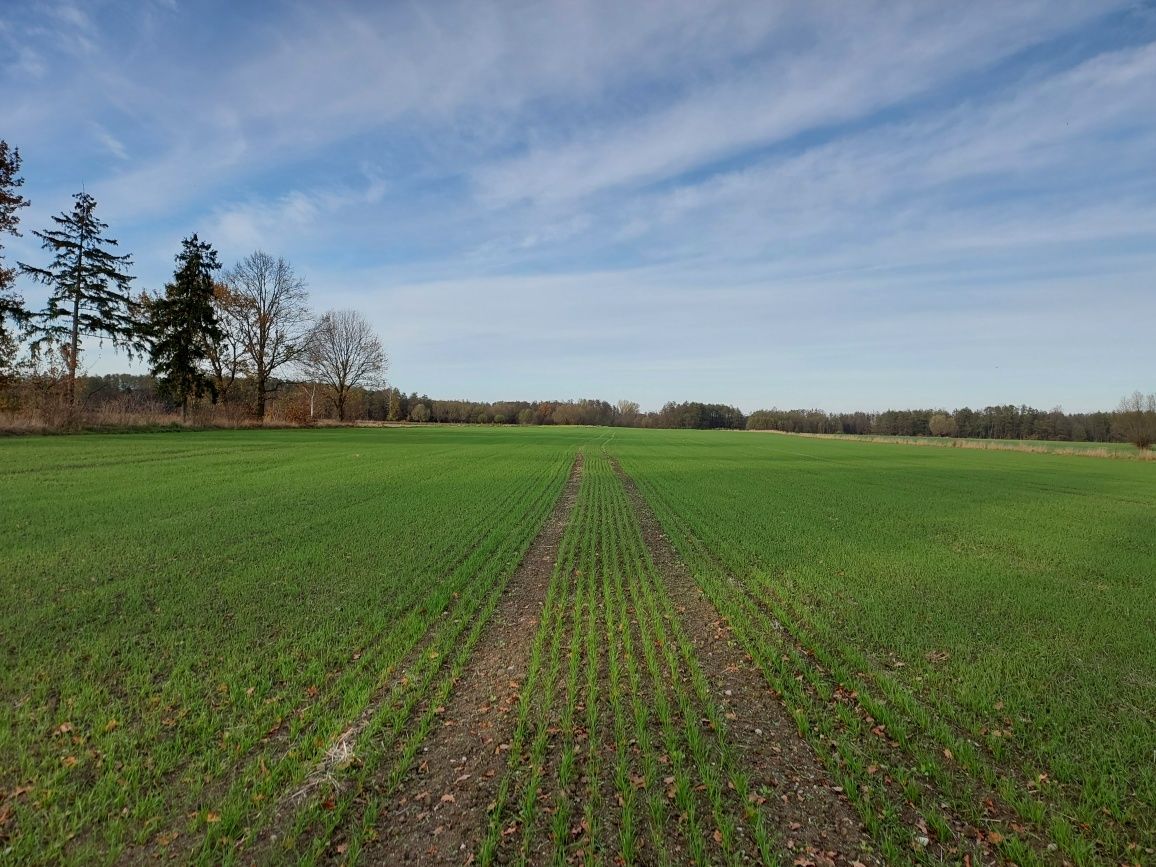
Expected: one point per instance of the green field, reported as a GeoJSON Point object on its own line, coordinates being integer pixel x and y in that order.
{"type": "Point", "coordinates": [964, 641]}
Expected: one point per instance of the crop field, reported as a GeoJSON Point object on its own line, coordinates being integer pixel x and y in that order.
{"type": "Point", "coordinates": [981, 624]}
{"type": "Point", "coordinates": [573, 645]}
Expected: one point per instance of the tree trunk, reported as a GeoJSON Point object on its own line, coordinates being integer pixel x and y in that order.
{"type": "Point", "coordinates": [261, 396]}
{"type": "Point", "coordinates": [341, 406]}
{"type": "Point", "coordinates": [73, 348]}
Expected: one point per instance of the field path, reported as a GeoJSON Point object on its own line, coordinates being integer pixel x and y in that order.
{"type": "Point", "coordinates": [438, 814]}
{"type": "Point", "coordinates": [811, 818]}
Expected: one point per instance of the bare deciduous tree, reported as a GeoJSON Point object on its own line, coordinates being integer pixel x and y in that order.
{"type": "Point", "coordinates": [626, 413]}
{"type": "Point", "coordinates": [269, 310]}
{"type": "Point", "coordinates": [345, 353]}
{"type": "Point", "coordinates": [1136, 419]}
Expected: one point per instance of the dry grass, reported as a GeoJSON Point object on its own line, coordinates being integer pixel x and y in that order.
{"type": "Point", "coordinates": [16, 424]}
{"type": "Point", "coordinates": [112, 419]}
{"type": "Point", "coordinates": [985, 445]}
{"type": "Point", "coordinates": [341, 754]}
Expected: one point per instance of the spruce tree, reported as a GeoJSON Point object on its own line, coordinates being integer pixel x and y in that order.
{"type": "Point", "coordinates": [11, 304]}
{"type": "Point", "coordinates": [183, 325]}
{"type": "Point", "coordinates": [89, 287]}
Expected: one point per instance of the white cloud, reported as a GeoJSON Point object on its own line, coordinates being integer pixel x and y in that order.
{"type": "Point", "coordinates": [111, 143]}
{"type": "Point", "coordinates": [862, 58]}
{"type": "Point", "coordinates": [27, 63]}
{"type": "Point", "coordinates": [284, 221]}
{"type": "Point", "coordinates": [909, 183]}
{"type": "Point", "coordinates": [600, 93]}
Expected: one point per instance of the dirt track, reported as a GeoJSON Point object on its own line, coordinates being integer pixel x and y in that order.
{"type": "Point", "coordinates": [439, 814]}
{"type": "Point", "coordinates": [812, 819]}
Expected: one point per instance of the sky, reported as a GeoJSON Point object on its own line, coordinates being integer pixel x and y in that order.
{"type": "Point", "coordinates": [814, 204]}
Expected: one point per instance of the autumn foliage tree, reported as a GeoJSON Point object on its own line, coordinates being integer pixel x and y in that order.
{"type": "Point", "coordinates": [225, 354]}
{"type": "Point", "coordinates": [90, 287]}
{"type": "Point", "coordinates": [941, 425]}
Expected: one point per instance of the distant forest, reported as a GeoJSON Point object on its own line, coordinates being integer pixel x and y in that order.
{"type": "Point", "coordinates": [295, 402]}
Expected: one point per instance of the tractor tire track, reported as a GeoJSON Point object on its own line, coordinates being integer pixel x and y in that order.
{"type": "Point", "coordinates": [438, 815]}
{"type": "Point", "coordinates": [812, 819]}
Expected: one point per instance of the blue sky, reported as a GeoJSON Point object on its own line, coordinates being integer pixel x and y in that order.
{"type": "Point", "coordinates": [846, 205]}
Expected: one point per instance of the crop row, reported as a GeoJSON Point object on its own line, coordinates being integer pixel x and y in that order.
{"type": "Point", "coordinates": [620, 750]}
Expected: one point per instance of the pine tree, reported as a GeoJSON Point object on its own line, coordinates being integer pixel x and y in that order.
{"type": "Point", "coordinates": [89, 288]}
{"type": "Point", "coordinates": [183, 325]}
{"type": "Point", "coordinates": [11, 304]}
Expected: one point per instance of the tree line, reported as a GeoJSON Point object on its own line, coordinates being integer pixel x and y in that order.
{"type": "Point", "coordinates": [1133, 421]}
{"type": "Point", "coordinates": [206, 332]}
{"type": "Point", "coordinates": [395, 405]}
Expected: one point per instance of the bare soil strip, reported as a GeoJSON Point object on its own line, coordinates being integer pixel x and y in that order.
{"type": "Point", "coordinates": [438, 814]}
{"type": "Point", "coordinates": [966, 834]}
{"type": "Point", "coordinates": [812, 819]}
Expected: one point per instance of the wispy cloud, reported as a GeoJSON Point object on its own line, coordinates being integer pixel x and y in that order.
{"type": "Point", "coordinates": [289, 218]}
{"type": "Point", "coordinates": [853, 64]}
{"type": "Point", "coordinates": [111, 143]}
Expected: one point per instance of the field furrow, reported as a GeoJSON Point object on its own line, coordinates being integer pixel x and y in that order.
{"type": "Point", "coordinates": [432, 811]}
{"type": "Point", "coordinates": [802, 808]}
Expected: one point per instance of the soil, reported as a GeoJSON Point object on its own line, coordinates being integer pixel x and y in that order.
{"type": "Point", "coordinates": [810, 816]}
{"type": "Point", "coordinates": [439, 813]}
{"type": "Point", "coordinates": [967, 839]}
